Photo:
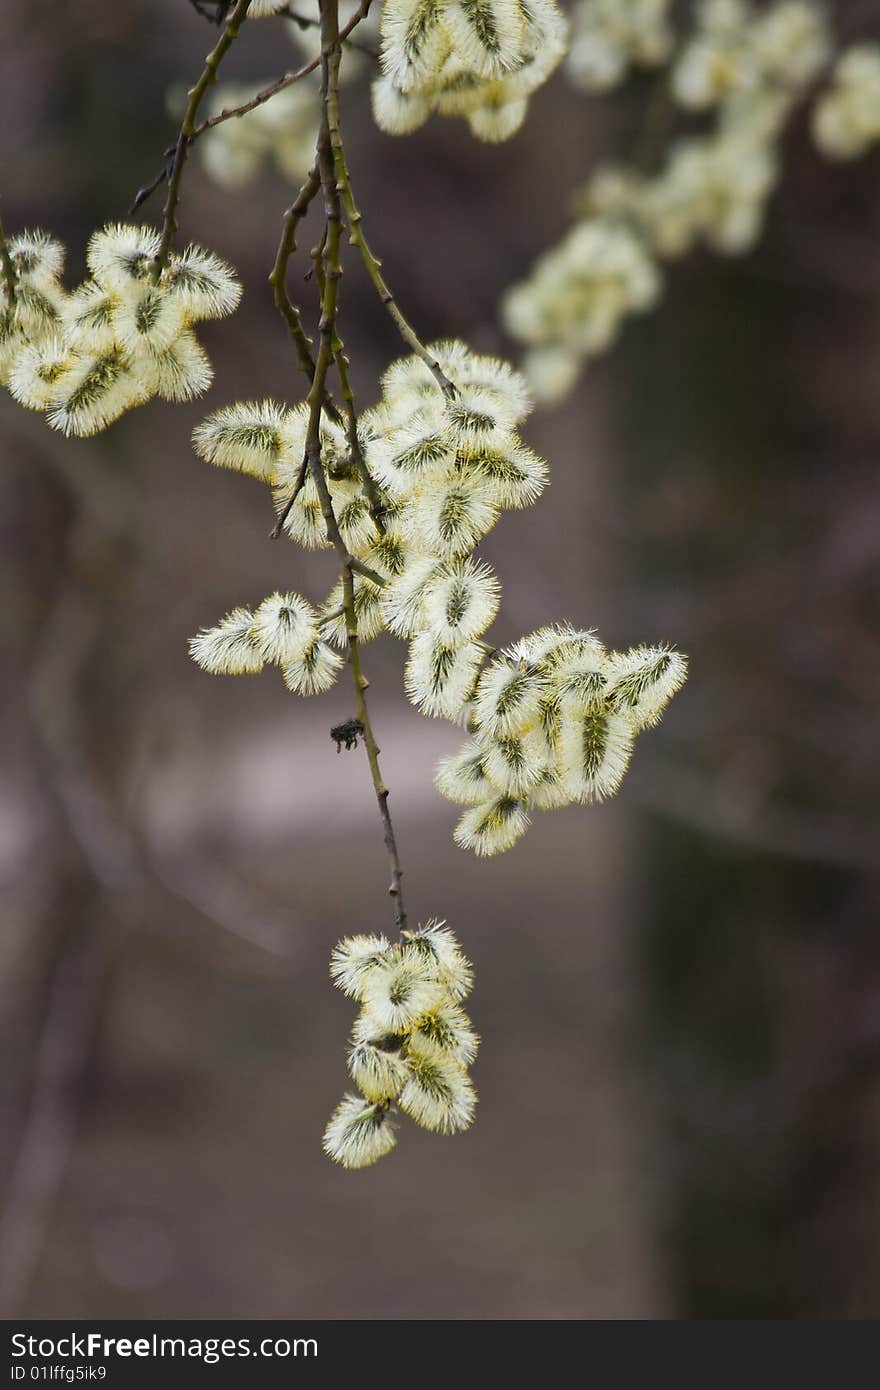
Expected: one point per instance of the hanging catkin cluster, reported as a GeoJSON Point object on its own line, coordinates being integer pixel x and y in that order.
{"type": "Point", "coordinates": [554, 716]}
{"type": "Point", "coordinates": [123, 336]}
{"type": "Point", "coordinates": [412, 1042]}
{"type": "Point", "coordinates": [481, 59]}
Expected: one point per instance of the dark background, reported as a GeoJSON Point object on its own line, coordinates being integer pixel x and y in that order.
{"type": "Point", "coordinates": [679, 992]}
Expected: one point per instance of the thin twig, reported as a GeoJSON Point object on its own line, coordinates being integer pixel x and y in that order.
{"type": "Point", "coordinates": [292, 317]}
{"type": "Point", "coordinates": [187, 128]}
{"type": "Point", "coordinates": [359, 567]}
{"type": "Point", "coordinates": [148, 189]}
{"type": "Point", "coordinates": [331, 271]}
{"type": "Point", "coordinates": [361, 685]}
{"type": "Point", "coordinates": [233, 112]}
{"type": "Point", "coordinates": [371, 261]}
{"type": "Point", "coordinates": [51, 1123]}
{"type": "Point", "coordinates": [304, 21]}
{"type": "Point", "coordinates": [278, 276]}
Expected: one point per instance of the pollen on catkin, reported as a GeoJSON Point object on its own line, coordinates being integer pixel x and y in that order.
{"type": "Point", "coordinates": [285, 625]}
{"type": "Point", "coordinates": [313, 672]}
{"type": "Point", "coordinates": [399, 990]}
{"type": "Point", "coordinates": [439, 1095]}
{"type": "Point", "coordinates": [359, 1133]}
{"type": "Point", "coordinates": [247, 437]}
{"type": "Point", "coordinates": [437, 946]}
{"type": "Point", "coordinates": [229, 647]}
{"type": "Point", "coordinates": [353, 959]}
{"type": "Point", "coordinates": [282, 631]}
{"type": "Point", "coordinates": [439, 679]}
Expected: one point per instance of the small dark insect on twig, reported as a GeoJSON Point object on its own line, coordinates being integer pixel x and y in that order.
{"type": "Point", "coordinates": [348, 734]}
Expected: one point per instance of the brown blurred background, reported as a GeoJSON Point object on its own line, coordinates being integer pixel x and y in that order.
{"type": "Point", "coordinates": [679, 993]}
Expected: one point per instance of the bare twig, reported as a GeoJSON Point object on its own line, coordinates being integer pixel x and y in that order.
{"type": "Point", "coordinates": [233, 112]}
{"type": "Point", "coordinates": [208, 76]}
{"type": "Point", "coordinates": [371, 261]}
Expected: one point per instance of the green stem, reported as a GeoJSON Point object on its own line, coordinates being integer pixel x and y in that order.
{"type": "Point", "coordinates": [361, 685]}
{"type": "Point", "coordinates": [208, 76]}
{"type": "Point", "coordinates": [331, 273]}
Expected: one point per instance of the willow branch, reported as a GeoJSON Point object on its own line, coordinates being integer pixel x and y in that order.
{"type": "Point", "coordinates": [230, 113]}
{"type": "Point", "coordinates": [371, 262]}
{"type": "Point", "coordinates": [331, 272]}
{"type": "Point", "coordinates": [287, 80]}
{"type": "Point", "coordinates": [361, 685]}
{"type": "Point", "coordinates": [187, 128]}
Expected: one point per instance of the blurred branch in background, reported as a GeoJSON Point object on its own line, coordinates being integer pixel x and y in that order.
{"type": "Point", "coordinates": [123, 883]}
{"type": "Point", "coordinates": [72, 1011]}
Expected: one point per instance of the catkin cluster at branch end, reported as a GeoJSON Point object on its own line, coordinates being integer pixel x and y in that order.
{"type": "Point", "coordinates": [412, 1043]}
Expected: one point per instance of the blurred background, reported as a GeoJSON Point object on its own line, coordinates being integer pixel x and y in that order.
{"type": "Point", "coordinates": [679, 992]}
